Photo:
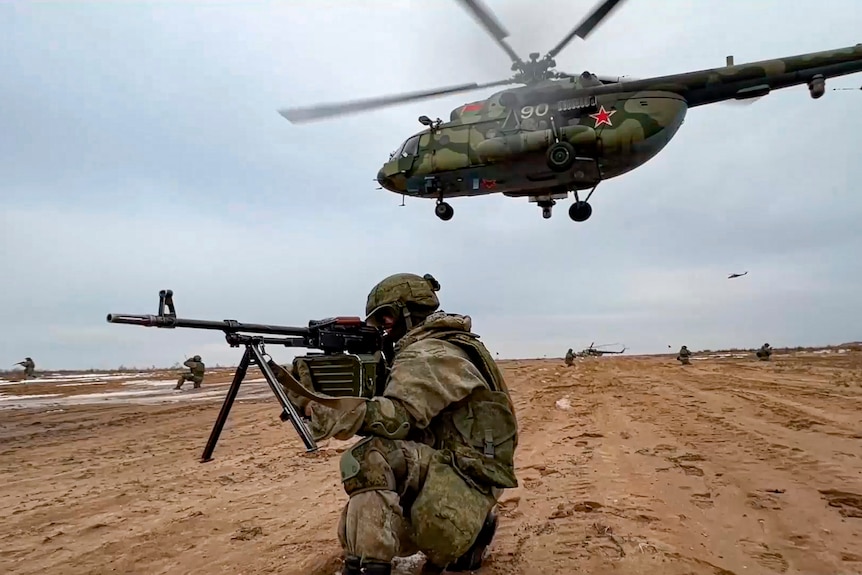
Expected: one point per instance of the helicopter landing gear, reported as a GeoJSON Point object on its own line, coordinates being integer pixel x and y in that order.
{"type": "Point", "coordinates": [546, 206]}
{"type": "Point", "coordinates": [444, 211]}
{"type": "Point", "coordinates": [560, 156]}
{"type": "Point", "coordinates": [581, 211]}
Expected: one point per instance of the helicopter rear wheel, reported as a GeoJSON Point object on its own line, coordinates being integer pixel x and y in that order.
{"type": "Point", "coordinates": [560, 156]}
{"type": "Point", "coordinates": [444, 211]}
{"type": "Point", "coordinates": [580, 211]}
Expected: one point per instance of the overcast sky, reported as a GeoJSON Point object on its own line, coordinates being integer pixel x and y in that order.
{"type": "Point", "coordinates": [140, 149]}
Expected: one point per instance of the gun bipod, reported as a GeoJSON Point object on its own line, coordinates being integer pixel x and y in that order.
{"type": "Point", "coordinates": [255, 355]}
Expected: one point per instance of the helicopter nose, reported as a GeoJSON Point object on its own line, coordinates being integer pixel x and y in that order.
{"type": "Point", "coordinates": [385, 181]}
{"type": "Point", "coordinates": [381, 178]}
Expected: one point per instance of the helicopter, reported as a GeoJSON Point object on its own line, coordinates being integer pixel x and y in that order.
{"type": "Point", "coordinates": [560, 133]}
{"type": "Point", "coordinates": [595, 351]}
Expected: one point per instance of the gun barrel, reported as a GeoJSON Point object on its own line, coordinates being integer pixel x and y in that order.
{"type": "Point", "coordinates": [228, 325]}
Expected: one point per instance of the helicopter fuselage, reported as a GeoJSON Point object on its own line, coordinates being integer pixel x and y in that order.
{"type": "Point", "coordinates": [559, 136]}
{"type": "Point", "coordinates": [500, 145]}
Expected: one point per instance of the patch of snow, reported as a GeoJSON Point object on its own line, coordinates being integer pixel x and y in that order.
{"type": "Point", "coordinates": [7, 397]}
{"type": "Point", "coordinates": [82, 383]}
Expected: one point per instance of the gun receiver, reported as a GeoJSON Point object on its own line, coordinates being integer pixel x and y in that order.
{"type": "Point", "coordinates": [335, 337]}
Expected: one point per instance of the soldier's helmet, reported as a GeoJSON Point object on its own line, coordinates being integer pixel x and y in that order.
{"type": "Point", "coordinates": [400, 293]}
{"type": "Point", "coordinates": [197, 358]}
{"type": "Point", "coordinates": [765, 345]}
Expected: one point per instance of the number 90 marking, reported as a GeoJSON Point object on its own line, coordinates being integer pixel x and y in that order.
{"type": "Point", "coordinates": [530, 111]}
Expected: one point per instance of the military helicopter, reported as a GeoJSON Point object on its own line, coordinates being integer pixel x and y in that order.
{"type": "Point", "coordinates": [561, 133]}
{"type": "Point", "coordinates": [595, 351]}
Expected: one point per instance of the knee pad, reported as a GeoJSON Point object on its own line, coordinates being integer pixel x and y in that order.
{"type": "Point", "coordinates": [372, 464]}
{"type": "Point", "coordinates": [471, 560]}
{"type": "Point", "coordinates": [448, 514]}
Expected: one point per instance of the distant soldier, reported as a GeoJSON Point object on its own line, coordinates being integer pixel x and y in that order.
{"type": "Point", "coordinates": [683, 356]}
{"type": "Point", "coordinates": [196, 375]}
{"type": "Point", "coordinates": [570, 357]}
{"type": "Point", "coordinates": [764, 352]}
{"type": "Point", "coordinates": [29, 367]}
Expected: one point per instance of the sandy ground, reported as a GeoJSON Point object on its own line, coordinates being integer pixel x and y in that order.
{"type": "Point", "coordinates": [631, 465]}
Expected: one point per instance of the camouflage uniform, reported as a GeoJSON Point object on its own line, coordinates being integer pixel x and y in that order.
{"type": "Point", "coordinates": [764, 352]}
{"type": "Point", "coordinates": [570, 357]}
{"type": "Point", "coordinates": [29, 367]}
{"type": "Point", "coordinates": [683, 356]}
{"type": "Point", "coordinates": [438, 446]}
{"type": "Point", "coordinates": [196, 375]}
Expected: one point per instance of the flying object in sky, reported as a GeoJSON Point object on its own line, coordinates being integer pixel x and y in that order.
{"type": "Point", "coordinates": [731, 276]}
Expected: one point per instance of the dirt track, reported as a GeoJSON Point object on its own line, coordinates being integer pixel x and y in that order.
{"type": "Point", "coordinates": [627, 465]}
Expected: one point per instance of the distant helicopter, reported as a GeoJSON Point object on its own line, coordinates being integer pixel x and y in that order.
{"type": "Point", "coordinates": [731, 276]}
{"type": "Point", "coordinates": [562, 133]}
{"type": "Point", "coordinates": [594, 351]}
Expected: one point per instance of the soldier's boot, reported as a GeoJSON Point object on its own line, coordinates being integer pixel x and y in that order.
{"type": "Point", "coordinates": [180, 382]}
{"type": "Point", "coordinates": [197, 385]}
{"type": "Point", "coordinates": [471, 560]}
{"type": "Point", "coordinates": [355, 566]}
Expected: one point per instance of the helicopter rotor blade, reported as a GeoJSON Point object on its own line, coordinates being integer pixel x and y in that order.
{"type": "Point", "coordinates": [587, 25]}
{"type": "Point", "coordinates": [312, 113]}
{"type": "Point", "coordinates": [489, 21]}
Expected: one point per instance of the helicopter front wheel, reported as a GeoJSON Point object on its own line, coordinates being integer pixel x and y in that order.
{"type": "Point", "coordinates": [560, 156]}
{"type": "Point", "coordinates": [444, 211]}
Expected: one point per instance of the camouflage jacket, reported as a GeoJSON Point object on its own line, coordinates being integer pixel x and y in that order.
{"type": "Point", "coordinates": [444, 390]}
{"type": "Point", "coordinates": [197, 367]}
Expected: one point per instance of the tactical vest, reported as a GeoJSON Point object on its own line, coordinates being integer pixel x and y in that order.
{"type": "Point", "coordinates": [198, 368]}
{"type": "Point", "coordinates": [481, 430]}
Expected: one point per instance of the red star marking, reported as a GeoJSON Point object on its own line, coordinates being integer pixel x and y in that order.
{"type": "Point", "coordinates": [488, 184]}
{"type": "Point", "coordinates": [603, 117]}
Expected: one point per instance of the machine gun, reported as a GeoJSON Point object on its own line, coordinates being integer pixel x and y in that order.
{"type": "Point", "coordinates": [349, 364]}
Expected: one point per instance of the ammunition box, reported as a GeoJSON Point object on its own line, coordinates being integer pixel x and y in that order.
{"type": "Point", "coordinates": [343, 374]}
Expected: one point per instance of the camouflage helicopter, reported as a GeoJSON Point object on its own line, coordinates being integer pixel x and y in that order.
{"type": "Point", "coordinates": [594, 351]}
{"type": "Point", "coordinates": [560, 133]}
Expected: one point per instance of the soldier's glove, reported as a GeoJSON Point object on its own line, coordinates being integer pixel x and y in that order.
{"type": "Point", "coordinates": [301, 404]}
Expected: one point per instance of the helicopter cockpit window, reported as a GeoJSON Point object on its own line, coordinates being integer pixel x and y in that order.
{"type": "Point", "coordinates": [410, 148]}
{"type": "Point", "coordinates": [397, 152]}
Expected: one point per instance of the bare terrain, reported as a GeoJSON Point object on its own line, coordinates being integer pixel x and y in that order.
{"type": "Point", "coordinates": [633, 465]}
